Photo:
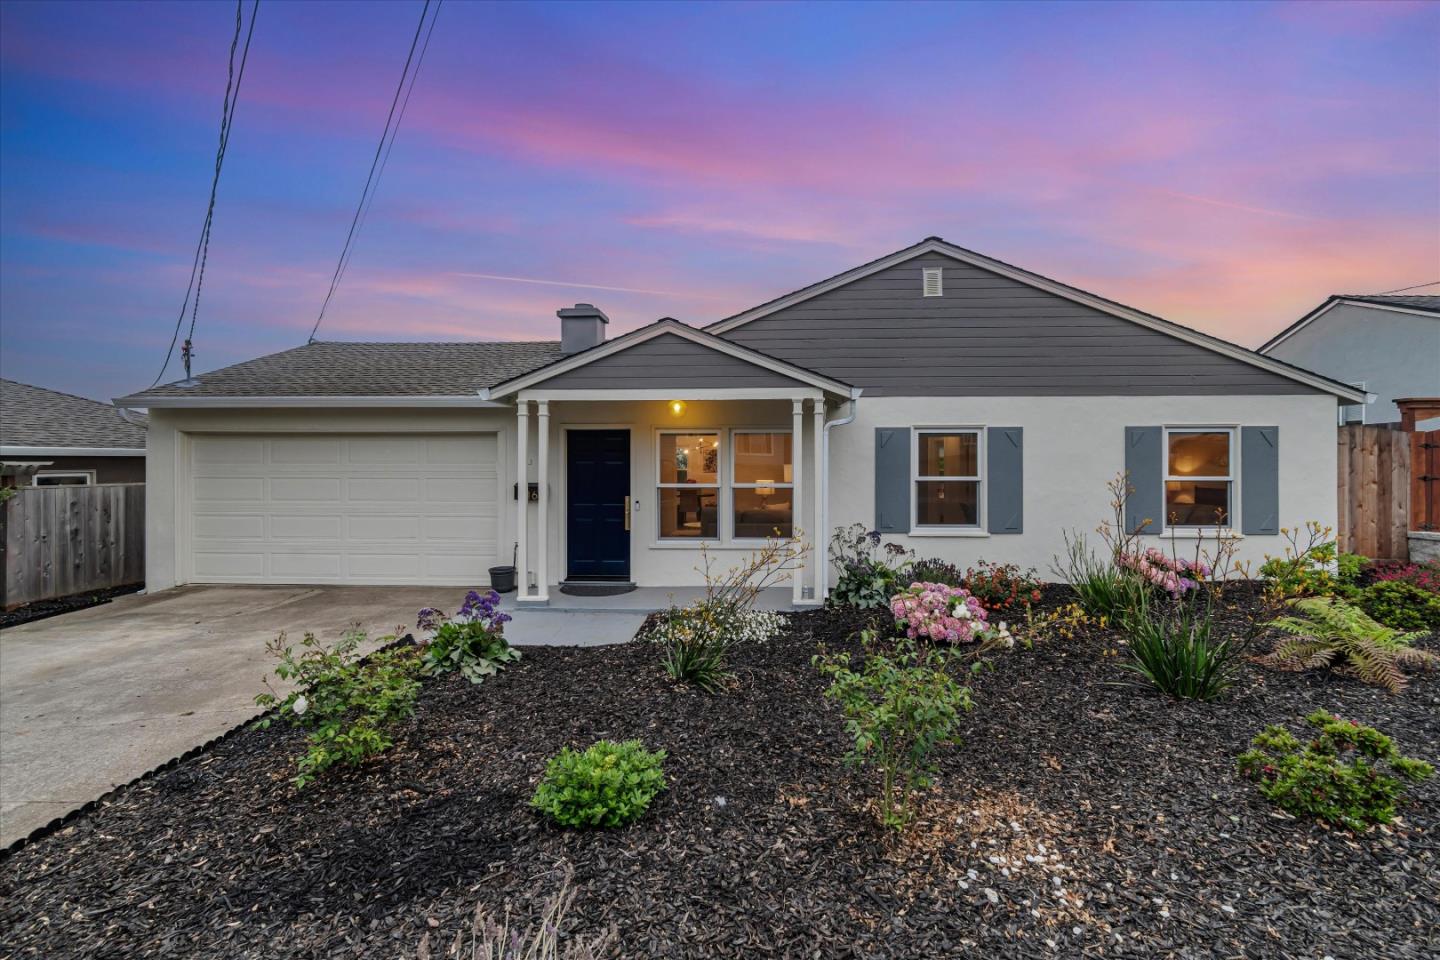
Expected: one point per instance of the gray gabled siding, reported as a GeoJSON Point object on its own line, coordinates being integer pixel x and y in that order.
{"type": "Point", "coordinates": [668, 362]}
{"type": "Point", "coordinates": [988, 335]}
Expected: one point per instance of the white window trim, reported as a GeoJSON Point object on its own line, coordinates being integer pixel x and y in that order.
{"type": "Point", "coordinates": [977, 529]}
{"type": "Point", "coordinates": [1344, 408]}
{"type": "Point", "coordinates": [932, 273]}
{"type": "Point", "coordinates": [732, 485]}
{"type": "Point", "coordinates": [1233, 514]}
{"type": "Point", "coordinates": [88, 475]}
{"type": "Point", "coordinates": [718, 486]}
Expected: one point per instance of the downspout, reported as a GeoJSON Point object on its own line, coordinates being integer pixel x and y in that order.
{"type": "Point", "coordinates": [822, 540]}
{"type": "Point", "coordinates": [128, 414]}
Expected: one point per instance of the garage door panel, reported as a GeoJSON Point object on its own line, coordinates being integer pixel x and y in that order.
{"type": "Point", "coordinates": [294, 508]}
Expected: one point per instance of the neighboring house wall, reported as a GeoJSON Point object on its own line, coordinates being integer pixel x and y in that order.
{"type": "Point", "coordinates": [668, 362]}
{"type": "Point", "coordinates": [1072, 447]}
{"type": "Point", "coordinates": [107, 469]}
{"type": "Point", "coordinates": [1396, 354]}
{"type": "Point", "coordinates": [989, 335]}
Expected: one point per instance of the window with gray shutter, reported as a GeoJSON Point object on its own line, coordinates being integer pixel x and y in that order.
{"type": "Point", "coordinates": [1005, 479]}
{"type": "Point", "coordinates": [892, 479]}
{"type": "Point", "coordinates": [1259, 480]}
{"type": "Point", "coordinates": [1144, 464]}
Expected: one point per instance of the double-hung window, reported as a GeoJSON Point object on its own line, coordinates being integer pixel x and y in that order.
{"type": "Point", "coordinates": [1199, 477]}
{"type": "Point", "coordinates": [947, 479]}
{"type": "Point", "coordinates": [688, 490]}
{"type": "Point", "coordinates": [762, 484]}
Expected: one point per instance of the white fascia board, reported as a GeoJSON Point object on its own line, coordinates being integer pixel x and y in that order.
{"type": "Point", "coordinates": [8, 450]}
{"type": "Point", "coordinates": [1214, 344]}
{"type": "Point", "coordinates": [681, 393]}
{"type": "Point", "coordinates": [637, 337]}
{"type": "Point", "coordinates": [194, 403]}
{"type": "Point", "coordinates": [1329, 305]}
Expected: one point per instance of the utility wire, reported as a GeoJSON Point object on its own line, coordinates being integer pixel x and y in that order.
{"type": "Point", "coordinates": [382, 155]}
{"type": "Point", "coordinates": [1403, 289]}
{"type": "Point", "coordinates": [202, 246]}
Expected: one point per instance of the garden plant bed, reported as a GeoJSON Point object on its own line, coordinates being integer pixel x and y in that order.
{"type": "Point", "coordinates": [40, 609]}
{"type": "Point", "coordinates": [1082, 816]}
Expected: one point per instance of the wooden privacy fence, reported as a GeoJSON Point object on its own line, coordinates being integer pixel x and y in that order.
{"type": "Point", "coordinates": [64, 540]}
{"type": "Point", "coordinates": [1374, 468]}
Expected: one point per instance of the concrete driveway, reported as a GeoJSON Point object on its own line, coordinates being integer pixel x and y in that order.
{"type": "Point", "coordinates": [92, 699]}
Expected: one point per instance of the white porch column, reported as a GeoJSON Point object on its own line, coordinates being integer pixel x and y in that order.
{"type": "Point", "coordinates": [522, 498]}
{"type": "Point", "coordinates": [542, 526]}
{"type": "Point", "coordinates": [817, 427]}
{"type": "Point", "coordinates": [797, 449]}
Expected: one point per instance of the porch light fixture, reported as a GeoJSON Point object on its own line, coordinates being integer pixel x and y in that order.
{"type": "Point", "coordinates": [677, 407]}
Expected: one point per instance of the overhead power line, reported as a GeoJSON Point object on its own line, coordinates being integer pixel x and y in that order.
{"type": "Point", "coordinates": [233, 80]}
{"type": "Point", "coordinates": [382, 154]}
{"type": "Point", "coordinates": [1403, 289]}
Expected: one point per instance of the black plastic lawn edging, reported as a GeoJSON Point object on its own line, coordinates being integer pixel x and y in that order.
{"type": "Point", "coordinates": [64, 820]}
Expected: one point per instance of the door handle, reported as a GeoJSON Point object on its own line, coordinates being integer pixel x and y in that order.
{"type": "Point", "coordinates": [627, 514]}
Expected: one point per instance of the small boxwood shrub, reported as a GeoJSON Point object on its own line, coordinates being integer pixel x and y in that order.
{"type": "Point", "coordinates": [1338, 777]}
{"type": "Point", "coordinates": [609, 785]}
{"type": "Point", "coordinates": [1402, 605]}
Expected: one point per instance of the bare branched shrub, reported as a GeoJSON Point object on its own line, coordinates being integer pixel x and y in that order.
{"type": "Point", "coordinates": [492, 939]}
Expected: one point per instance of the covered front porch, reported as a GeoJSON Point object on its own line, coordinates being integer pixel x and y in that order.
{"type": "Point", "coordinates": [663, 456]}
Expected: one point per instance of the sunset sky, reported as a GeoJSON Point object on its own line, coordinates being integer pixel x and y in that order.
{"type": "Point", "coordinates": [1224, 166]}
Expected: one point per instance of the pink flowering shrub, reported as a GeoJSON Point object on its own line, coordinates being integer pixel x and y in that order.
{"type": "Point", "coordinates": [937, 611]}
{"type": "Point", "coordinates": [1176, 576]}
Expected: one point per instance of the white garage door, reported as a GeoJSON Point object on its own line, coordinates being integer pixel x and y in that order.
{"type": "Point", "coordinates": [344, 508]}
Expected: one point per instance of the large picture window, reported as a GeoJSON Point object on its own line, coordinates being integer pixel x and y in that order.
{"type": "Point", "coordinates": [947, 478]}
{"type": "Point", "coordinates": [762, 485]}
{"type": "Point", "coordinates": [1199, 477]}
{"type": "Point", "coordinates": [689, 486]}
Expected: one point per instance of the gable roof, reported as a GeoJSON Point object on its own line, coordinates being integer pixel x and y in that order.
{"type": "Point", "coordinates": [334, 369]}
{"type": "Point", "coordinates": [42, 419]}
{"type": "Point", "coordinates": [1425, 306]}
{"type": "Point", "coordinates": [667, 327]}
{"type": "Point", "coordinates": [937, 245]}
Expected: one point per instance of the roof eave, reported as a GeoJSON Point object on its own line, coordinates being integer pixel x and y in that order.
{"type": "Point", "coordinates": [140, 401]}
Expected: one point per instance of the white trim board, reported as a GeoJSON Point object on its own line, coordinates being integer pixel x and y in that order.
{"type": "Point", "coordinates": [194, 403]}
{"type": "Point", "coordinates": [936, 245]}
{"type": "Point", "coordinates": [13, 451]}
{"type": "Point", "coordinates": [660, 328]}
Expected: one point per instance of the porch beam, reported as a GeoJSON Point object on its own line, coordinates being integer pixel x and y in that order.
{"type": "Point", "coordinates": [676, 393]}
{"type": "Point", "coordinates": [542, 521]}
{"type": "Point", "coordinates": [797, 458]}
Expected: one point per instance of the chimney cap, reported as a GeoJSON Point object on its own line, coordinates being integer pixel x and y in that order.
{"type": "Point", "coordinates": [582, 311]}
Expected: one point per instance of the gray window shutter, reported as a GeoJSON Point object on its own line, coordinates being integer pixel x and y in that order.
{"type": "Point", "coordinates": [1259, 480]}
{"type": "Point", "coordinates": [1005, 479]}
{"type": "Point", "coordinates": [892, 479]}
{"type": "Point", "coordinates": [1145, 464]}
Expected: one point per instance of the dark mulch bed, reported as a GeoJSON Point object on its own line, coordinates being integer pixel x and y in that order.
{"type": "Point", "coordinates": [1081, 817]}
{"type": "Point", "coordinates": [41, 609]}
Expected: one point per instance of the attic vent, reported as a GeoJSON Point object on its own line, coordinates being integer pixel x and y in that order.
{"type": "Point", "coordinates": [932, 285]}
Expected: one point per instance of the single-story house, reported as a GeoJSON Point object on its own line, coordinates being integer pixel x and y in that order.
{"type": "Point", "coordinates": [1387, 345]}
{"type": "Point", "coordinates": [50, 438]}
{"type": "Point", "coordinates": [960, 405]}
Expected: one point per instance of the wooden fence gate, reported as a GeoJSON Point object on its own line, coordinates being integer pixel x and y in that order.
{"type": "Point", "coordinates": [1374, 491]}
{"type": "Point", "coordinates": [63, 540]}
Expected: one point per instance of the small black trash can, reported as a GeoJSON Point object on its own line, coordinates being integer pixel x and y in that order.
{"type": "Point", "coordinates": [502, 579]}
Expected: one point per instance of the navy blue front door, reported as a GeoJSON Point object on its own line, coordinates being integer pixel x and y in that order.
{"type": "Point", "coordinates": [597, 482]}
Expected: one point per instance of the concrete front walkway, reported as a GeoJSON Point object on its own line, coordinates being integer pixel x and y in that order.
{"type": "Point", "coordinates": [93, 699]}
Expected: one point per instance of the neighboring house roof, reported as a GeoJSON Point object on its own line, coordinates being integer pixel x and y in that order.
{"type": "Point", "coordinates": [351, 371]}
{"type": "Point", "coordinates": [938, 245]}
{"type": "Point", "coordinates": [1424, 306]}
{"type": "Point", "coordinates": [655, 333]}
{"type": "Point", "coordinates": [34, 419]}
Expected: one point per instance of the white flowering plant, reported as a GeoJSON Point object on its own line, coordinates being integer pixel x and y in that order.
{"type": "Point", "coordinates": [347, 705]}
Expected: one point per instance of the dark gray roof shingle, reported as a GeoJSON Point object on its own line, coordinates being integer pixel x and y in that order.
{"type": "Point", "coordinates": [1431, 303]}
{"type": "Point", "coordinates": [36, 417]}
{"type": "Point", "coordinates": [339, 369]}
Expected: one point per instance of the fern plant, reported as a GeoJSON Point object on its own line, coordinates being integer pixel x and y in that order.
{"type": "Point", "coordinates": [1328, 632]}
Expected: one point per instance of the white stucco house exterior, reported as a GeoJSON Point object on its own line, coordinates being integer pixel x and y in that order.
{"type": "Point", "coordinates": [960, 405]}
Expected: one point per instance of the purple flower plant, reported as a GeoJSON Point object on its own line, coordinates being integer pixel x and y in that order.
{"type": "Point", "coordinates": [483, 609]}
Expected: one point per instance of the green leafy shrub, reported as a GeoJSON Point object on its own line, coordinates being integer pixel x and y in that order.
{"type": "Point", "coordinates": [1350, 567]}
{"type": "Point", "coordinates": [1002, 587]}
{"type": "Point", "coordinates": [347, 706]}
{"type": "Point", "coordinates": [1338, 776]}
{"type": "Point", "coordinates": [870, 572]}
{"type": "Point", "coordinates": [1176, 650]}
{"type": "Point", "coordinates": [472, 642]}
{"type": "Point", "coordinates": [1304, 569]}
{"type": "Point", "coordinates": [609, 785]}
{"type": "Point", "coordinates": [1401, 605]}
{"type": "Point", "coordinates": [899, 707]}
{"type": "Point", "coordinates": [1328, 632]}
